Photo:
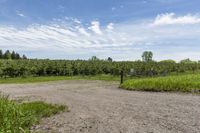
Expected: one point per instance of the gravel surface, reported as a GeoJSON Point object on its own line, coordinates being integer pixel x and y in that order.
{"type": "Point", "coordinates": [101, 107]}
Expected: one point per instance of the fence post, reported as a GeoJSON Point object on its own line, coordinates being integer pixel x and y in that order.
{"type": "Point", "coordinates": [122, 76]}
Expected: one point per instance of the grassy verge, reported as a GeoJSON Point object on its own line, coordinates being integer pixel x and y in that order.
{"type": "Point", "coordinates": [182, 83]}
{"type": "Point", "coordinates": [56, 78]}
{"type": "Point", "coordinates": [19, 117]}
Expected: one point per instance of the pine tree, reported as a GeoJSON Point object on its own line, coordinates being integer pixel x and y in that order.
{"type": "Point", "coordinates": [13, 55]}
{"type": "Point", "coordinates": [7, 55]}
{"type": "Point", "coordinates": [17, 56]}
{"type": "Point", "coordinates": [1, 54]}
{"type": "Point", "coordinates": [110, 59]}
{"type": "Point", "coordinates": [24, 57]}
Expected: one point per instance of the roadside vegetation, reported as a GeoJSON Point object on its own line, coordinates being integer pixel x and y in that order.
{"type": "Point", "coordinates": [19, 117]}
{"type": "Point", "coordinates": [147, 74]}
{"type": "Point", "coordinates": [181, 83]}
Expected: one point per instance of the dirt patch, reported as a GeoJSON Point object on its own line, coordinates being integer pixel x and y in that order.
{"type": "Point", "coordinates": [100, 107]}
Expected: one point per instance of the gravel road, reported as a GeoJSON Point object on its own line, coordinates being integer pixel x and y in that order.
{"type": "Point", "coordinates": [101, 107]}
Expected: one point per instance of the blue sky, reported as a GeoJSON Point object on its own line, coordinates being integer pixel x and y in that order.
{"type": "Point", "coordinates": [121, 29]}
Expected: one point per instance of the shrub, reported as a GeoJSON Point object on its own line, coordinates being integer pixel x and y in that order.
{"type": "Point", "coordinates": [19, 117]}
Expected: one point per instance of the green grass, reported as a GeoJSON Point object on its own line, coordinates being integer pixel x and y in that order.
{"type": "Point", "coordinates": [19, 117]}
{"type": "Point", "coordinates": [181, 83]}
{"type": "Point", "coordinates": [56, 78]}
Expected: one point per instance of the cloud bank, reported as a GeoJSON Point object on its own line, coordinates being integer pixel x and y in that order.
{"type": "Point", "coordinates": [170, 19]}
{"type": "Point", "coordinates": [165, 34]}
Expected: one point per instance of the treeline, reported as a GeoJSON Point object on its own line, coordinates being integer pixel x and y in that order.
{"type": "Point", "coordinates": [11, 55]}
{"type": "Point", "coordinates": [33, 67]}
{"type": "Point", "coordinates": [19, 67]}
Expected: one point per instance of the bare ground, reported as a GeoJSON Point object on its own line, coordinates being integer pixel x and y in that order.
{"type": "Point", "coordinates": [101, 107]}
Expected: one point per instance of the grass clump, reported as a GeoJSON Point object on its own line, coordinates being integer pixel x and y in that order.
{"type": "Point", "coordinates": [182, 83]}
{"type": "Point", "coordinates": [19, 117]}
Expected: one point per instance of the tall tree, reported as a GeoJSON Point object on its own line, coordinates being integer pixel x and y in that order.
{"type": "Point", "coordinates": [17, 56]}
{"type": "Point", "coordinates": [24, 57]}
{"type": "Point", "coordinates": [94, 58]}
{"type": "Point", "coordinates": [1, 54]}
{"type": "Point", "coordinates": [147, 56]}
{"type": "Point", "coordinates": [7, 55]}
{"type": "Point", "coordinates": [110, 59]}
{"type": "Point", "coordinates": [13, 55]}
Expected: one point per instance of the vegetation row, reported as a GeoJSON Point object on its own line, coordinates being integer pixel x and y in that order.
{"type": "Point", "coordinates": [94, 66]}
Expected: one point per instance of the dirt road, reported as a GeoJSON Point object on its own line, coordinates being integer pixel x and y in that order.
{"type": "Point", "coordinates": [101, 107]}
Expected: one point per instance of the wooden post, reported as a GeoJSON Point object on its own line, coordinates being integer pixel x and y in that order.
{"type": "Point", "coordinates": [122, 76]}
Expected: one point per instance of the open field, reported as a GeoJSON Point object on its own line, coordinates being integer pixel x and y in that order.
{"type": "Point", "coordinates": [181, 83]}
{"type": "Point", "coordinates": [99, 106]}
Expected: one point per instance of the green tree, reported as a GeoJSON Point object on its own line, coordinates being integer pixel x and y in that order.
{"type": "Point", "coordinates": [17, 56]}
{"type": "Point", "coordinates": [188, 64]}
{"type": "Point", "coordinates": [168, 61]}
{"type": "Point", "coordinates": [147, 56]}
{"type": "Point", "coordinates": [187, 61]}
{"type": "Point", "coordinates": [1, 54]}
{"type": "Point", "coordinates": [13, 55]}
{"type": "Point", "coordinates": [7, 55]}
{"type": "Point", "coordinates": [24, 57]}
{"type": "Point", "coordinates": [94, 58]}
{"type": "Point", "coordinates": [110, 59]}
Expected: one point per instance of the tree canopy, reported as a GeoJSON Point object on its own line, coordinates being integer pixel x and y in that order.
{"type": "Point", "coordinates": [13, 65]}
{"type": "Point", "coordinates": [11, 55]}
{"type": "Point", "coordinates": [147, 56]}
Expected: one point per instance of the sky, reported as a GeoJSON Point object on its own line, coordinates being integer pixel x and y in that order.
{"type": "Point", "coordinates": [121, 29]}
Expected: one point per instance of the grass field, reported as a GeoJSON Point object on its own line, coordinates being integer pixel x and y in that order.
{"type": "Point", "coordinates": [19, 117]}
{"type": "Point", "coordinates": [181, 83]}
{"type": "Point", "coordinates": [56, 78]}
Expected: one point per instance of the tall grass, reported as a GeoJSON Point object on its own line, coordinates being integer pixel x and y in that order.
{"type": "Point", "coordinates": [181, 83]}
{"type": "Point", "coordinates": [19, 117]}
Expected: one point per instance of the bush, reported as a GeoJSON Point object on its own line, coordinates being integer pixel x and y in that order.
{"type": "Point", "coordinates": [19, 117]}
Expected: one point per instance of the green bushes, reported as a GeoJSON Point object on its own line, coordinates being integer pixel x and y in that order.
{"type": "Point", "coordinates": [19, 117]}
{"type": "Point", "coordinates": [181, 83]}
{"type": "Point", "coordinates": [34, 67]}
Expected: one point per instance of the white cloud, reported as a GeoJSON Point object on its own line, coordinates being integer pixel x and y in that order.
{"type": "Point", "coordinates": [113, 8]}
{"type": "Point", "coordinates": [110, 26]}
{"type": "Point", "coordinates": [95, 27]}
{"type": "Point", "coordinates": [77, 21]}
{"type": "Point", "coordinates": [171, 18]}
{"type": "Point", "coordinates": [123, 41]}
{"type": "Point", "coordinates": [61, 37]}
{"type": "Point", "coordinates": [20, 14]}
{"type": "Point", "coordinates": [83, 31]}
